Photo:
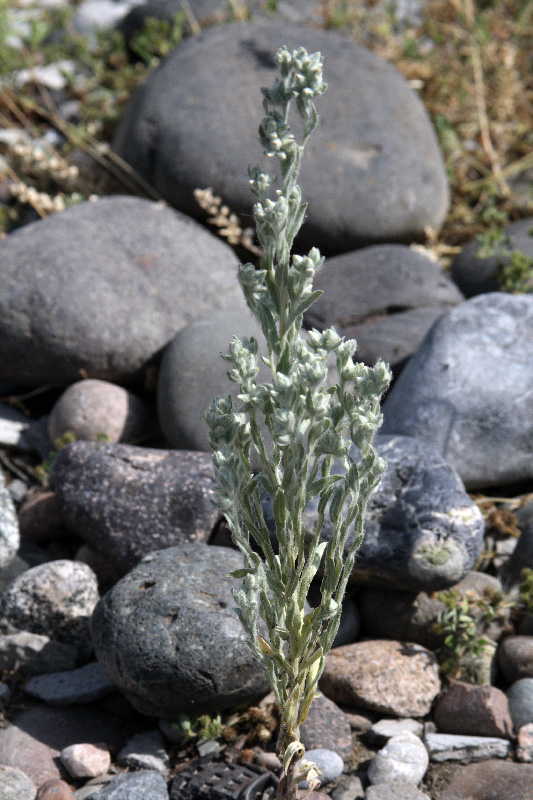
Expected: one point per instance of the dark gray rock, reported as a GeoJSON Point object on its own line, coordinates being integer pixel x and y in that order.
{"type": "Point", "coordinates": [126, 501]}
{"type": "Point", "coordinates": [386, 178]}
{"type": "Point", "coordinates": [143, 785]}
{"type": "Point", "coordinates": [520, 697]}
{"type": "Point", "coordinates": [468, 390]}
{"type": "Point", "coordinates": [423, 532]}
{"type": "Point", "coordinates": [386, 297]}
{"type": "Point", "coordinates": [193, 372]}
{"type": "Point", "coordinates": [475, 275]}
{"type": "Point", "coordinates": [145, 751]}
{"type": "Point", "coordinates": [35, 654]}
{"type": "Point", "coordinates": [515, 657]}
{"type": "Point", "coordinates": [103, 286]}
{"type": "Point", "coordinates": [54, 599]}
{"type": "Point", "coordinates": [72, 687]}
{"type": "Point", "coordinates": [168, 637]}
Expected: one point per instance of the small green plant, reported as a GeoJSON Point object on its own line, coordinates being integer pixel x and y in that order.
{"type": "Point", "coordinates": [157, 38]}
{"type": "Point", "coordinates": [202, 727]}
{"type": "Point", "coordinates": [298, 428]}
{"type": "Point", "coordinates": [514, 271]}
{"type": "Point", "coordinates": [526, 590]}
{"type": "Point", "coordinates": [43, 470]}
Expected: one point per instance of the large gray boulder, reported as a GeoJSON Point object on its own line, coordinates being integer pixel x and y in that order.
{"type": "Point", "coordinates": [97, 290]}
{"type": "Point", "coordinates": [373, 171]}
{"type": "Point", "coordinates": [468, 391]}
{"type": "Point", "coordinates": [167, 634]}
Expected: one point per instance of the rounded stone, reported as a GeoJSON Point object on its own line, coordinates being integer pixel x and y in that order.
{"type": "Point", "coordinates": [167, 634]}
{"type": "Point", "coordinates": [91, 408]}
{"type": "Point", "coordinates": [404, 756]}
{"type": "Point", "coordinates": [55, 599]}
{"type": "Point", "coordinates": [15, 785]}
{"type": "Point", "coordinates": [55, 789]}
{"type": "Point", "coordinates": [386, 181]}
{"type": "Point", "coordinates": [520, 697]}
{"type": "Point", "coordinates": [103, 286]}
{"type": "Point", "coordinates": [468, 390]}
{"type": "Point", "coordinates": [328, 762]}
{"type": "Point", "coordinates": [515, 656]}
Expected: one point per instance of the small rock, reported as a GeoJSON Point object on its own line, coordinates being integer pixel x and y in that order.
{"type": "Point", "coordinates": [55, 789]}
{"type": "Point", "coordinates": [404, 756]}
{"type": "Point", "coordinates": [54, 76]}
{"type": "Point", "coordinates": [83, 685]}
{"type": "Point", "coordinates": [130, 786]}
{"type": "Point", "coordinates": [35, 654]}
{"type": "Point", "coordinates": [403, 681]}
{"type": "Point", "coordinates": [520, 697]}
{"type": "Point", "coordinates": [398, 789]}
{"type": "Point", "coordinates": [448, 747]}
{"type": "Point", "coordinates": [145, 751]}
{"type": "Point", "coordinates": [329, 763]}
{"type": "Point", "coordinates": [515, 656]}
{"type": "Point", "coordinates": [360, 719]}
{"type": "Point", "coordinates": [491, 780]}
{"type": "Point", "coordinates": [269, 761]}
{"type": "Point", "coordinates": [349, 787]}
{"type": "Point", "coordinates": [91, 408]}
{"type": "Point", "coordinates": [99, 15]}
{"type": "Point", "coordinates": [9, 528]}
{"type": "Point", "coordinates": [474, 711]}
{"type": "Point", "coordinates": [327, 727]}
{"type": "Point", "coordinates": [385, 729]}
{"type": "Point", "coordinates": [55, 599]}
{"type": "Point", "coordinates": [524, 750]}
{"type": "Point", "coordinates": [40, 519]}
{"type": "Point", "coordinates": [86, 760]}
{"type": "Point", "coordinates": [15, 785]}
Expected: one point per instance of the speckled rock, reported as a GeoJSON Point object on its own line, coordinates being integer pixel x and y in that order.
{"type": "Point", "coordinates": [515, 656]}
{"type": "Point", "coordinates": [105, 285]}
{"type": "Point", "coordinates": [491, 780]}
{"type": "Point", "coordinates": [474, 710]}
{"type": "Point", "coordinates": [55, 599]}
{"type": "Point", "coordinates": [86, 760]}
{"type": "Point", "coordinates": [468, 390]}
{"type": "Point", "coordinates": [133, 786]}
{"type": "Point", "coordinates": [375, 137]}
{"type": "Point", "coordinates": [404, 756]}
{"type": "Point", "coordinates": [126, 501]}
{"type": "Point", "coordinates": [391, 677]}
{"type": "Point", "coordinates": [327, 727]}
{"type": "Point", "coordinates": [9, 529]}
{"type": "Point", "coordinates": [15, 785]}
{"type": "Point", "coordinates": [422, 530]}
{"type": "Point", "coordinates": [475, 275]}
{"type": "Point", "coordinates": [386, 297]}
{"type": "Point", "coordinates": [191, 655]}
{"type": "Point", "coordinates": [92, 408]}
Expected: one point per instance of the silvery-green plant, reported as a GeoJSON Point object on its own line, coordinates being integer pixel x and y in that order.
{"type": "Point", "coordinates": [310, 429]}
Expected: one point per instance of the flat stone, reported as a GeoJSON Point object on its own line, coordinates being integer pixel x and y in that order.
{"type": "Point", "coordinates": [327, 728]}
{"type": "Point", "coordinates": [145, 751]}
{"type": "Point", "coordinates": [15, 785]}
{"type": "Point", "coordinates": [133, 786]}
{"type": "Point", "coordinates": [404, 756]}
{"type": "Point", "coordinates": [127, 501]}
{"type": "Point", "coordinates": [476, 275]}
{"type": "Point", "coordinates": [474, 711]}
{"type": "Point", "coordinates": [83, 685]}
{"type": "Point", "coordinates": [472, 375]}
{"type": "Point", "coordinates": [86, 760]}
{"type": "Point", "coordinates": [385, 729]}
{"type": "Point", "coordinates": [191, 639]}
{"type": "Point", "coordinates": [491, 780]}
{"type": "Point", "coordinates": [391, 677]}
{"type": "Point", "coordinates": [55, 599]}
{"type": "Point", "coordinates": [386, 297]}
{"type": "Point", "coordinates": [35, 654]}
{"type": "Point", "coordinates": [375, 137]}
{"type": "Point", "coordinates": [449, 747]}
{"type": "Point", "coordinates": [98, 284]}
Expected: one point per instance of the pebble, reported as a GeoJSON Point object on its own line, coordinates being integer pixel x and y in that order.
{"type": "Point", "coordinates": [349, 787]}
{"type": "Point", "coordinates": [78, 262]}
{"type": "Point", "coordinates": [145, 751]}
{"type": "Point", "coordinates": [93, 408]}
{"type": "Point", "coordinates": [62, 689]}
{"type": "Point", "coordinates": [403, 681]}
{"type": "Point", "coordinates": [471, 375]}
{"type": "Point", "coordinates": [404, 756]}
{"type": "Point", "coordinates": [398, 789]}
{"type": "Point", "coordinates": [520, 697]}
{"type": "Point", "coordinates": [385, 729]}
{"type": "Point", "coordinates": [474, 711]}
{"type": "Point", "coordinates": [35, 654]}
{"type": "Point", "coordinates": [127, 501]}
{"type": "Point", "coordinates": [328, 762]}
{"type": "Point", "coordinates": [133, 786]}
{"type": "Point", "coordinates": [55, 789]}
{"type": "Point", "coordinates": [182, 601]}
{"type": "Point", "coordinates": [491, 780]}
{"type": "Point", "coordinates": [15, 785]}
{"type": "Point", "coordinates": [327, 727]}
{"type": "Point", "coordinates": [450, 747]}
{"type": "Point", "coordinates": [373, 161]}
{"type": "Point", "coordinates": [55, 599]}
{"type": "Point", "coordinates": [86, 760]}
